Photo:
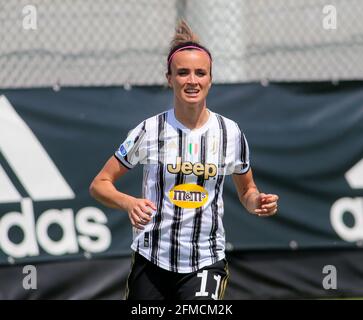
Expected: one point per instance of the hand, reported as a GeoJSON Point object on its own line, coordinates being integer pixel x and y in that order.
{"type": "Point", "coordinates": [140, 212]}
{"type": "Point", "coordinates": [266, 204]}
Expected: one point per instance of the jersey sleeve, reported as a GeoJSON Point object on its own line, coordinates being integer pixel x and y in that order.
{"type": "Point", "coordinates": [242, 154]}
{"type": "Point", "coordinates": [132, 150]}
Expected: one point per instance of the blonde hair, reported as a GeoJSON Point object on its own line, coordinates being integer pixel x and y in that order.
{"type": "Point", "coordinates": [183, 34]}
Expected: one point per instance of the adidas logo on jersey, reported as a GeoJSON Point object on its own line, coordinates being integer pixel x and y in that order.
{"type": "Point", "coordinates": [199, 169]}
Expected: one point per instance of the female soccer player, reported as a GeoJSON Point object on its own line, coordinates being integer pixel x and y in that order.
{"type": "Point", "coordinates": [178, 236]}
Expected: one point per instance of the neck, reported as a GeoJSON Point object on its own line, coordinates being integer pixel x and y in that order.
{"type": "Point", "coordinates": [192, 116]}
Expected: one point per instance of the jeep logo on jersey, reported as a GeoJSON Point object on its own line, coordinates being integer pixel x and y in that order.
{"type": "Point", "coordinates": [40, 178]}
{"type": "Point", "coordinates": [188, 195]}
{"type": "Point", "coordinates": [199, 169]}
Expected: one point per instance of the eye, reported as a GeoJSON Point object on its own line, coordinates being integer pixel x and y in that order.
{"type": "Point", "coordinates": [182, 72]}
{"type": "Point", "coordinates": [201, 73]}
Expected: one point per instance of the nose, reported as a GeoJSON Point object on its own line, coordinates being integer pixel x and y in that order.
{"type": "Point", "coordinates": [191, 78]}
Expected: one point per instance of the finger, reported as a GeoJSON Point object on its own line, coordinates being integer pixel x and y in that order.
{"type": "Point", "coordinates": [138, 226]}
{"type": "Point", "coordinates": [135, 224]}
{"type": "Point", "coordinates": [266, 212]}
{"type": "Point", "coordinates": [145, 218]}
{"type": "Point", "coordinates": [269, 213]}
{"type": "Point", "coordinates": [135, 215]}
{"type": "Point", "coordinates": [260, 211]}
{"type": "Point", "coordinates": [265, 198]}
{"type": "Point", "coordinates": [270, 205]}
{"type": "Point", "coordinates": [146, 210]}
{"type": "Point", "coordinates": [150, 204]}
{"type": "Point", "coordinates": [142, 222]}
{"type": "Point", "coordinates": [271, 197]}
{"type": "Point", "coordinates": [262, 196]}
{"type": "Point", "coordinates": [141, 218]}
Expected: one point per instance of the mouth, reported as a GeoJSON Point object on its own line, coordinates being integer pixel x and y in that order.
{"type": "Point", "coordinates": [191, 92]}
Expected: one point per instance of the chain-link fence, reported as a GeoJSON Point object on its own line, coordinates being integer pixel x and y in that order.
{"type": "Point", "coordinates": [123, 42]}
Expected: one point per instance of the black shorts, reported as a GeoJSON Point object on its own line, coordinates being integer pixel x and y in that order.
{"type": "Point", "coordinates": [147, 281]}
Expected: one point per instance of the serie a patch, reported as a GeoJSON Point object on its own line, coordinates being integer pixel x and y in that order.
{"type": "Point", "coordinates": [125, 147]}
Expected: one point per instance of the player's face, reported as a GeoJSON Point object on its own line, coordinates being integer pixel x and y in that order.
{"type": "Point", "coordinates": [190, 76]}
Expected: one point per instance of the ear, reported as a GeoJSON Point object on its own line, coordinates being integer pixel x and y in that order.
{"type": "Point", "coordinates": [168, 79]}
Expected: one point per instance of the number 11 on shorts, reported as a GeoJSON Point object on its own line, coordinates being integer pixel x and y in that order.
{"type": "Point", "coordinates": [203, 286]}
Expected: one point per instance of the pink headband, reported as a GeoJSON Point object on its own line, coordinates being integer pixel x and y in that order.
{"type": "Point", "coordinates": [187, 47]}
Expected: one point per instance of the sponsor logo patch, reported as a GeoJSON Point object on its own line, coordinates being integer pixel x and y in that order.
{"type": "Point", "coordinates": [188, 195]}
{"type": "Point", "coordinates": [199, 169]}
{"type": "Point", "coordinates": [125, 147]}
{"type": "Point", "coordinates": [123, 150]}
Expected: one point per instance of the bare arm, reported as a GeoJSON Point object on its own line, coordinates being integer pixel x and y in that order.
{"type": "Point", "coordinates": [255, 202]}
{"type": "Point", "coordinates": [103, 189]}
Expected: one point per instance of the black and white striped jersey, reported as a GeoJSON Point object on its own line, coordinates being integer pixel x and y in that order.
{"type": "Point", "coordinates": [183, 175]}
